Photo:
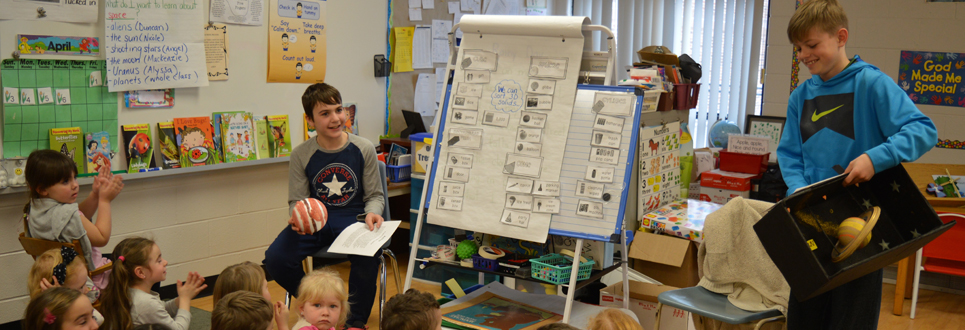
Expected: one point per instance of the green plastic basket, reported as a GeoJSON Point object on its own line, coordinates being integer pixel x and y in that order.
{"type": "Point", "coordinates": [556, 269]}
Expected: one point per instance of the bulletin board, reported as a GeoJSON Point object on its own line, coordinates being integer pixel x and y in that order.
{"type": "Point", "coordinates": [63, 93]}
{"type": "Point", "coordinates": [246, 89]}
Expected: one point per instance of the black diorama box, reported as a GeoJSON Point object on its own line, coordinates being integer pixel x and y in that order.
{"type": "Point", "coordinates": [800, 232]}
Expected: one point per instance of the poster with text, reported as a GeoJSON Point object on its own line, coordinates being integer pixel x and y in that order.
{"type": "Point", "coordinates": [154, 45]}
{"type": "Point", "coordinates": [933, 78]}
{"type": "Point", "coordinates": [296, 41]}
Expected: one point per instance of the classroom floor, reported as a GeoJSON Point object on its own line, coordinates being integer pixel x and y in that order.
{"type": "Point", "coordinates": [936, 310]}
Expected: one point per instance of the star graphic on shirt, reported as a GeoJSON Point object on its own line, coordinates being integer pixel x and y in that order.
{"type": "Point", "coordinates": [334, 187]}
{"type": "Point", "coordinates": [884, 245]}
{"type": "Point", "coordinates": [867, 204]}
{"type": "Point", "coordinates": [915, 234]}
{"type": "Point", "coordinates": [895, 185]}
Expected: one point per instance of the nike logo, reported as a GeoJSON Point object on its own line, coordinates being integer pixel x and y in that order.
{"type": "Point", "coordinates": [815, 116]}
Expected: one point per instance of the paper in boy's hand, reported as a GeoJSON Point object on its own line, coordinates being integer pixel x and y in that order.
{"type": "Point", "coordinates": [358, 240]}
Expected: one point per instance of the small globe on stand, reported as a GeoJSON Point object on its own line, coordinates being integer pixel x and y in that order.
{"type": "Point", "coordinates": [719, 132]}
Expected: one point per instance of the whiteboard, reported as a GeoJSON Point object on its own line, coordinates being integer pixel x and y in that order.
{"type": "Point", "coordinates": [350, 47]}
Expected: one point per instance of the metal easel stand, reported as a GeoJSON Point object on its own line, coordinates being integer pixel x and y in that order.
{"type": "Point", "coordinates": [414, 248]}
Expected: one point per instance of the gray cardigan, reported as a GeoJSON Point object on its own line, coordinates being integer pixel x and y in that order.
{"type": "Point", "coordinates": [147, 308]}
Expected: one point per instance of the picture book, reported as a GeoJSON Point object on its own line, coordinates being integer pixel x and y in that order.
{"type": "Point", "coordinates": [69, 141]}
{"type": "Point", "coordinates": [237, 135]}
{"type": "Point", "coordinates": [216, 124]}
{"type": "Point", "coordinates": [138, 147]}
{"type": "Point", "coordinates": [309, 129]}
{"type": "Point", "coordinates": [195, 137]}
{"type": "Point", "coordinates": [168, 146]}
{"type": "Point", "coordinates": [98, 151]}
{"type": "Point", "coordinates": [492, 312]}
{"type": "Point", "coordinates": [351, 126]}
{"type": "Point", "coordinates": [261, 138]}
{"type": "Point", "coordinates": [280, 136]}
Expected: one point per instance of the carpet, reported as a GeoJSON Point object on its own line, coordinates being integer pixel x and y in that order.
{"type": "Point", "coordinates": [200, 319]}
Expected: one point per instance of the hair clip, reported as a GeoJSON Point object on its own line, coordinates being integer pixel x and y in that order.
{"type": "Point", "coordinates": [121, 258]}
{"type": "Point", "coordinates": [67, 255]}
{"type": "Point", "coordinates": [49, 318]}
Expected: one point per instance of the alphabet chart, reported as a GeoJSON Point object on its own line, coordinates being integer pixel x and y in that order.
{"type": "Point", "coordinates": [42, 94]}
{"type": "Point", "coordinates": [659, 166]}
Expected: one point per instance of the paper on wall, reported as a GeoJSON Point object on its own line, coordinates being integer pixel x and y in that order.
{"type": "Point", "coordinates": [402, 49]}
{"type": "Point", "coordinates": [216, 51]}
{"type": "Point", "coordinates": [60, 11]}
{"type": "Point", "coordinates": [421, 48]}
{"type": "Point", "coordinates": [415, 14]}
{"type": "Point", "coordinates": [245, 12]}
{"type": "Point", "coordinates": [440, 50]}
{"type": "Point", "coordinates": [453, 7]}
{"type": "Point", "coordinates": [166, 47]}
{"type": "Point", "coordinates": [425, 94]}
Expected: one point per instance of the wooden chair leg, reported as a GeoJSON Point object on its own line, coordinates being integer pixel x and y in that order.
{"type": "Point", "coordinates": [900, 283]}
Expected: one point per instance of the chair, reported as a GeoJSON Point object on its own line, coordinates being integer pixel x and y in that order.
{"type": "Point", "coordinates": [946, 255]}
{"type": "Point", "coordinates": [383, 273]}
{"type": "Point", "coordinates": [35, 247]}
{"type": "Point", "coordinates": [713, 305]}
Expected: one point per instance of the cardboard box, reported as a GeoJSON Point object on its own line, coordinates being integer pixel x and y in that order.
{"type": "Point", "coordinates": [726, 180]}
{"type": "Point", "coordinates": [667, 259]}
{"type": "Point", "coordinates": [721, 196]}
{"type": "Point", "coordinates": [681, 218]}
{"type": "Point", "coordinates": [799, 232]}
{"type": "Point", "coordinates": [643, 303]}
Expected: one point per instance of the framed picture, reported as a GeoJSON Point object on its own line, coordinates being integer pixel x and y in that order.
{"type": "Point", "coordinates": [768, 126]}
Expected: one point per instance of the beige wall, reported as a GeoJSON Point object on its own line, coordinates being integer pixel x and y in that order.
{"type": "Point", "coordinates": [879, 31]}
{"type": "Point", "coordinates": [206, 221]}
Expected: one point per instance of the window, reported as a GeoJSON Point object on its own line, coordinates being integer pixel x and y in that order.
{"type": "Point", "coordinates": [724, 36]}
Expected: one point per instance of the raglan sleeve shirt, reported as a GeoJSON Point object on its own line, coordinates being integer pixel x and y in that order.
{"type": "Point", "coordinates": [910, 134]}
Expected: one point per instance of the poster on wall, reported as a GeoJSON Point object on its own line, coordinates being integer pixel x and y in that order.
{"type": "Point", "coordinates": [933, 78]}
{"type": "Point", "coordinates": [75, 11]}
{"type": "Point", "coordinates": [57, 45]}
{"type": "Point", "coordinates": [152, 45]}
{"type": "Point", "coordinates": [296, 41]}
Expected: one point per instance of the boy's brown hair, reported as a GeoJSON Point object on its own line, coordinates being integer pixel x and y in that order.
{"type": "Point", "coordinates": [319, 93]}
{"type": "Point", "coordinates": [826, 15]}
{"type": "Point", "coordinates": [242, 310]}
{"type": "Point", "coordinates": [245, 276]}
{"type": "Point", "coordinates": [412, 310]}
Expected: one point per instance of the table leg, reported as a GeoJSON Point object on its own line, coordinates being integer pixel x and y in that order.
{"type": "Point", "coordinates": [900, 283]}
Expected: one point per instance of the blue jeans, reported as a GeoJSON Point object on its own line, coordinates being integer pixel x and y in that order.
{"type": "Point", "coordinates": [283, 259]}
{"type": "Point", "coordinates": [854, 305]}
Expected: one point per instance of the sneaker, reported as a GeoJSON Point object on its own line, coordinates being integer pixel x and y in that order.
{"type": "Point", "coordinates": [358, 325]}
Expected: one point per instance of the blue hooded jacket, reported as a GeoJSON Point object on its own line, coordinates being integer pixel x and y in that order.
{"type": "Point", "coordinates": [859, 111]}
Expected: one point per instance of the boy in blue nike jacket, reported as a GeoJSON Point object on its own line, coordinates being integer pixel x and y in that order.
{"type": "Point", "coordinates": [850, 114]}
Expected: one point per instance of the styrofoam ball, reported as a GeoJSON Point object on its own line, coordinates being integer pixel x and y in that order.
{"type": "Point", "coordinates": [309, 215]}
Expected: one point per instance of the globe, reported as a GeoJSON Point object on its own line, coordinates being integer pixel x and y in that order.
{"type": "Point", "coordinates": [719, 131]}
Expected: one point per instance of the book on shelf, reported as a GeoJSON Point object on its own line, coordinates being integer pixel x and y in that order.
{"type": "Point", "coordinates": [261, 138]}
{"type": "Point", "coordinates": [237, 134]}
{"type": "Point", "coordinates": [97, 151]}
{"type": "Point", "coordinates": [279, 135]}
{"type": "Point", "coordinates": [195, 137]}
{"type": "Point", "coordinates": [138, 147]}
{"type": "Point", "coordinates": [168, 146]}
{"type": "Point", "coordinates": [69, 141]}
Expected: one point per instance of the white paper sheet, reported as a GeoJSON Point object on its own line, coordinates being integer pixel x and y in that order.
{"type": "Point", "coordinates": [453, 7]}
{"type": "Point", "coordinates": [440, 50]}
{"type": "Point", "coordinates": [61, 11]}
{"type": "Point", "coordinates": [441, 28]}
{"type": "Point", "coordinates": [498, 144]}
{"type": "Point", "coordinates": [425, 98]}
{"type": "Point", "coordinates": [422, 53]}
{"type": "Point", "coordinates": [428, 4]}
{"type": "Point", "coordinates": [415, 3]}
{"type": "Point", "coordinates": [359, 240]}
{"type": "Point", "coordinates": [245, 12]}
{"type": "Point", "coordinates": [415, 14]}
{"type": "Point", "coordinates": [440, 80]}
{"type": "Point", "coordinates": [150, 96]}
{"type": "Point", "coordinates": [154, 47]}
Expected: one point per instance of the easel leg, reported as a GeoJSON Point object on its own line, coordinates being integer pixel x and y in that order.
{"type": "Point", "coordinates": [574, 274]}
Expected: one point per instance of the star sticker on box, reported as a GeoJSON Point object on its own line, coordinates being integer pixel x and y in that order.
{"type": "Point", "coordinates": [334, 187]}
{"type": "Point", "coordinates": [895, 185]}
{"type": "Point", "coordinates": [915, 234]}
{"type": "Point", "coordinates": [866, 204]}
{"type": "Point", "coordinates": [884, 245]}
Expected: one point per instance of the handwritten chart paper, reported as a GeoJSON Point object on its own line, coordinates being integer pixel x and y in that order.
{"type": "Point", "coordinates": [296, 41]}
{"type": "Point", "coordinates": [154, 44]}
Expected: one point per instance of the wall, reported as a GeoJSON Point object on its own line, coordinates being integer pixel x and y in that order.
{"type": "Point", "coordinates": [879, 31]}
{"type": "Point", "coordinates": [206, 221]}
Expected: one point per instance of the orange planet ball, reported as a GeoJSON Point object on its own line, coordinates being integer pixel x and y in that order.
{"type": "Point", "coordinates": [848, 230]}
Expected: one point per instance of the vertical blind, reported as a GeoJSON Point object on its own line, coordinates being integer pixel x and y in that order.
{"type": "Point", "coordinates": [724, 36]}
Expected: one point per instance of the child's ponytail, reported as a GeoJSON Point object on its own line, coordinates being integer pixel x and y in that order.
{"type": "Point", "coordinates": [115, 299]}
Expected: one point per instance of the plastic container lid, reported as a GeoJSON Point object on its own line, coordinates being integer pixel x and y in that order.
{"type": "Point", "coordinates": [420, 136]}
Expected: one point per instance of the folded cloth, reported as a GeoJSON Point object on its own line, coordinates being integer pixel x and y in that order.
{"type": "Point", "coordinates": [732, 260]}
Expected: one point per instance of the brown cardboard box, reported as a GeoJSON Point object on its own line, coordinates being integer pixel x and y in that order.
{"type": "Point", "coordinates": [643, 303]}
{"type": "Point", "coordinates": [658, 54]}
{"type": "Point", "coordinates": [667, 259]}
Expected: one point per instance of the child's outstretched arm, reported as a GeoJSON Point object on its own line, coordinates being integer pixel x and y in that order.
{"type": "Point", "coordinates": [99, 233]}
